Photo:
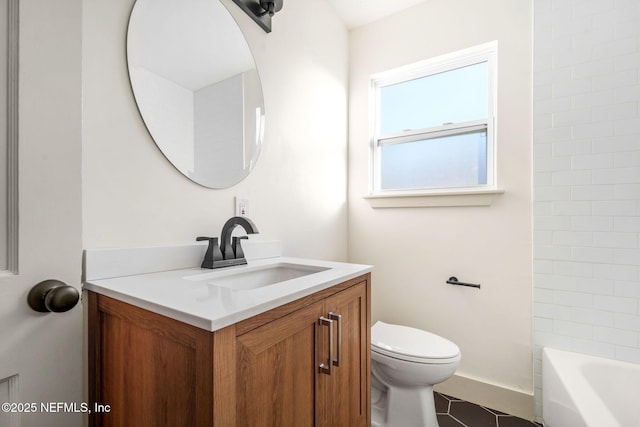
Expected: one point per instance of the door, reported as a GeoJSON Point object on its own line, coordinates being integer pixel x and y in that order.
{"type": "Point", "coordinates": [41, 353]}
{"type": "Point", "coordinates": [289, 374]}
{"type": "Point", "coordinates": [276, 367]}
{"type": "Point", "coordinates": [348, 397]}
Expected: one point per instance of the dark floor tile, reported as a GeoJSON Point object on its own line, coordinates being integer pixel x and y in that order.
{"type": "Point", "coordinates": [446, 396]}
{"type": "Point", "coordinates": [447, 421]}
{"type": "Point", "coordinates": [442, 403]}
{"type": "Point", "coordinates": [472, 415]}
{"type": "Point", "coordinates": [454, 412]}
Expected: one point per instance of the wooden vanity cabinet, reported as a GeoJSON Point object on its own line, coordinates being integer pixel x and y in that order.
{"type": "Point", "coordinates": [268, 370]}
{"type": "Point", "coordinates": [280, 381]}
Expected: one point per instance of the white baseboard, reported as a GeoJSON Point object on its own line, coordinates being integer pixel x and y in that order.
{"type": "Point", "coordinates": [492, 396]}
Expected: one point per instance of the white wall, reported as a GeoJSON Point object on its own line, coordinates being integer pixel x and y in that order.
{"type": "Point", "coordinates": [134, 197]}
{"type": "Point", "coordinates": [587, 178]}
{"type": "Point", "coordinates": [415, 250]}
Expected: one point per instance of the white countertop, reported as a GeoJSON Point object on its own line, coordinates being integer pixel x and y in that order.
{"type": "Point", "coordinates": [191, 296]}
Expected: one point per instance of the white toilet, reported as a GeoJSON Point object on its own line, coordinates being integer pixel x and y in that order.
{"type": "Point", "coordinates": [405, 364]}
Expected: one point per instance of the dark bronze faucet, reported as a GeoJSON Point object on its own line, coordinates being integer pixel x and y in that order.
{"type": "Point", "coordinates": [230, 251]}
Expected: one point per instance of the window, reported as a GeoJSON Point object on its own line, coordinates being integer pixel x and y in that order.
{"type": "Point", "coordinates": [433, 125]}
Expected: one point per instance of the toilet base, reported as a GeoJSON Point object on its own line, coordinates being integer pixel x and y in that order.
{"type": "Point", "coordinates": [378, 407]}
{"type": "Point", "coordinates": [403, 408]}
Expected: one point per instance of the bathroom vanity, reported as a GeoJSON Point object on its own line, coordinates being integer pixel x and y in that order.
{"type": "Point", "coordinates": [187, 348]}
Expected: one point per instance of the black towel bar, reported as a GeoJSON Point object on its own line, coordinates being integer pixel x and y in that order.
{"type": "Point", "coordinates": [454, 281]}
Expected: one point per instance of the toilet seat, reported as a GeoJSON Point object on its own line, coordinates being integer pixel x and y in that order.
{"type": "Point", "coordinates": [411, 344]}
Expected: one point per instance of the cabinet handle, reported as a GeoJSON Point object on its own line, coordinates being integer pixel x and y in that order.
{"type": "Point", "coordinates": [324, 368]}
{"type": "Point", "coordinates": [338, 318]}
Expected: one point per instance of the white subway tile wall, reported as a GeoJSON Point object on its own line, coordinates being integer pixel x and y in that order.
{"type": "Point", "coordinates": [586, 162]}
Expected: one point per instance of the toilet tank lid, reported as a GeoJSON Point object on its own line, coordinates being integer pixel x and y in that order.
{"type": "Point", "coordinates": [411, 342]}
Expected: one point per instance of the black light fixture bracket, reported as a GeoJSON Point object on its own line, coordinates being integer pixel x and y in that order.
{"type": "Point", "coordinates": [260, 11]}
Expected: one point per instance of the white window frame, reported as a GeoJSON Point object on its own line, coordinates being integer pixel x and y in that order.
{"type": "Point", "coordinates": [483, 53]}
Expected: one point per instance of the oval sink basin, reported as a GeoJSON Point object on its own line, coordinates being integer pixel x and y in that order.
{"type": "Point", "coordinates": [247, 278]}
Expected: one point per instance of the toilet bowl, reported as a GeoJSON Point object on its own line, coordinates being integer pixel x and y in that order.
{"type": "Point", "coordinates": [405, 364]}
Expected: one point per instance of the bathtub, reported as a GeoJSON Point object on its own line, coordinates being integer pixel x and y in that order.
{"type": "Point", "coordinates": [587, 391]}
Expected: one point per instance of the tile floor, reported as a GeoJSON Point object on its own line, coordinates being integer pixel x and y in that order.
{"type": "Point", "coordinates": [453, 412]}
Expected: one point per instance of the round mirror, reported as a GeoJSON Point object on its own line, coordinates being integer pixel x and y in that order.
{"type": "Point", "coordinates": [197, 88]}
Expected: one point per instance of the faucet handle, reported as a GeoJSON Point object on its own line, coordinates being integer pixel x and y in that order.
{"type": "Point", "coordinates": [237, 246]}
{"type": "Point", "coordinates": [213, 252]}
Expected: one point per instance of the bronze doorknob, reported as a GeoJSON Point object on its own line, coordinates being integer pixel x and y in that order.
{"type": "Point", "coordinates": [52, 296]}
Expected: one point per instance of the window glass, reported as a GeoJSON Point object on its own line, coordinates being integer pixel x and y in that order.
{"type": "Point", "coordinates": [451, 161]}
{"type": "Point", "coordinates": [455, 96]}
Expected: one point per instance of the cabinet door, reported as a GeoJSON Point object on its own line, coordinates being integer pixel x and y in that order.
{"type": "Point", "coordinates": [348, 398]}
{"type": "Point", "coordinates": [144, 366]}
{"type": "Point", "coordinates": [277, 380]}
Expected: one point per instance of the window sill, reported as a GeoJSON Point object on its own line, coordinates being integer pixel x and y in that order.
{"type": "Point", "coordinates": [434, 199]}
